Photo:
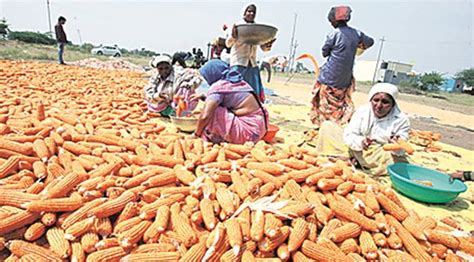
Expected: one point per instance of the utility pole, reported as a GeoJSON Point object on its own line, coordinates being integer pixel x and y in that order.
{"type": "Point", "coordinates": [291, 55]}
{"type": "Point", "coordinates": [49, 19]}
{"type": "Point", "coordinates": [378, 59]}
{"type": "Point", "coordinates": [79, 34]}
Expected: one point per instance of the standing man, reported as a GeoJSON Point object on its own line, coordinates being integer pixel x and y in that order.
{"type": "Point", "coordinates": [332, 93]}
{"type": "Point", "coordinates": [60, 38]}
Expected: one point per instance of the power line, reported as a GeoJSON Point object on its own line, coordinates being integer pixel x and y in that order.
{"type": "Point", "coordinates": [378, 59]}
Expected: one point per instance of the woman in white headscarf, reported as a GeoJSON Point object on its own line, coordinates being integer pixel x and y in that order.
{"type": "Point", "coordinates": [375, 124]}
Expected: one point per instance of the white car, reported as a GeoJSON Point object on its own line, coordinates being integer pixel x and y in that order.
{"type": "Point", "coordinates": [106, 50]}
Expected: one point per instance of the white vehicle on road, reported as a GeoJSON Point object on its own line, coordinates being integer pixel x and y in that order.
{"type": "Point", "coordinates": [106, 50]}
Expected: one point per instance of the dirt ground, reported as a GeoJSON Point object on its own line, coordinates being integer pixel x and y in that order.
{"type": "Point", "coordinates": [454, 122]}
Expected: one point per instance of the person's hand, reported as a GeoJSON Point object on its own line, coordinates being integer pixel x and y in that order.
{"type": "Point", "coordinates": [269, 44]}
{"type": "Point", "coordinates": [195, 97]}
{"type": "Point", "coordinates": [234, 31]}
{"type": "Point", "coordinates": [366, 143]}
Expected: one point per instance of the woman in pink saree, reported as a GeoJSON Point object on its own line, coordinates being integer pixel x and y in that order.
{"type": "Point", "coordinates": [232, 112]}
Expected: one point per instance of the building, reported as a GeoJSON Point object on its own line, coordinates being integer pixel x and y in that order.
{"type": "Point", "coordinates": [452, 85]}
{"type": "Point", "coordinates": [388, 71]}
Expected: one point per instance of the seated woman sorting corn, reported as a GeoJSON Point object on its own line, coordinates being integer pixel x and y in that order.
{"type": "Point", "coordinates": [167, 84]}
{"type": "Point", "coordinates": [232, 112]}
{"type": "Point", "coordinates": [372, 127]}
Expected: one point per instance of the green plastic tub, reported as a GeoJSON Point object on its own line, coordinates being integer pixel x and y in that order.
{"type": "Point", "coordinates": [443, 190]}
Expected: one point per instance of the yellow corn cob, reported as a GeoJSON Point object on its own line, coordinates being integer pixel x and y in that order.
{"type": "Point", "coordinates": [298, 234]}
{"type": "Point", "coordinates": [439, 250]}
{"type": "Point", "coordinates": [16, 221]}
{"type": "Point", "coordinates": [391, 207]}
{"type": "Point", "coordinates": [294, 163]}
{"type": "Point", "coordinates": [346, 212]}
{"type": "Point", "coordinates": [259, 155]}
{"type": "Point", "coordinates": [78, 229]}
{"type": "Point", "coordinates": [65, 185]}
{"type": "Point", "coordinates": [380, 239]}
{"type": "Point", "coordinates": [394, 241]}
{"type": "Point", "coordinates": [466, 245]}
{"type": "Point", "coordinates": [249, 246]}
{"type": "Point", "coordinates": [183, 175]}
{"type": "Point", "coordinates": [294, 190]}
{"type": "Point", "coordinates": [244, 221]}
{"type": "Point", "coordinates": [51, 145]}
{"type": "Point", "coordinates": [272, 225]}
{"type": "Point", "coordinates": [327, 184]}
{"type": "Point", "coordinates": [133, 235]}
{"type": "Point", "coordinates": [9, 166]}
{"type": "Point", "coordinates": [257, 227]}
{"type": "Point", "coordinates": [160, 180]}
{"type": "Point", "coordinates": [312, 223]}
{"type": "Point", "coordinates": [451, 257]}
{"type": "Point", "coordinates": [81, 213]}
{"type": "Point", "coordinates": [268, 167]}
{"type": "Point", "coordinates": [54, 170]}
{"type": "Point", "coordinates": [183, 228]}
{"type": "Point", "coordinates": [345, 188]}
{"type": "Point", "coordinates": [283, 253]}
{"type": "Point", "coordinates": [314, 179]}
{"type": "Point", "coordinates": [32, 258]}
{"type": "Point", "coordinates": [436, 236]}
{"type": "Point", "coordinates": [126, 225]}
{"type": "Point", "coordinates": [367, 245]}
{"type": "Point", "coordinates": [58, 242]}
{"type": "Point", "coordinates": [155, 247]}
{"type": "Point", "coordinates": [409, 242]}
{"type": "Point", "coordinates": [450, 222]}
{"type": "Point", "coordinates": [130, 210]}
{"type": "Point", "coordinates": [347, 231]}
{"type": "Point", "coordinates": [323, 213]}
{"type": "Point", "coordinates": [320, 253]}
{"type": "Point", "coordinates": [298, 256]}
{"type": "Point", "coordinates": [24, 149]}
{"type": "Point", "coordinates": [239, 185]}
{"type": "Point", "coordinates": [41, 150]}
{"type": "Point", "coordinates": [329, 228]}
{"type": "Point", "coordinates": [109, 254]}
{"type": "Point", "coordinates": [54, 205]}
{"type": "Point", "coordinates": [235, 234]}
{"type": "Point", "coordinates": [36, 188]}
{"type": "Point", "coordinates": [21, 248]}
{"type": "Point", "coordinates": [412, 225]}
{"type": "Point", "coordinates": [15, 198]}
{"type": "Point", "coordinates": [153, 256]}
{"type": "Point", "coordinates": [88, 242]}
{"type": "Point", "coordinates": [225, 198]}
{"type": "Point", "coordinates": [159, 225]}
{"type": "Point", "coordinates": [148, 211]}
{"type": "Point", "coordinates": [253, 186]}
{"type": "Point", "coordinates": [49, 219]}
{"type": "Point", "coordinates": [355, 257]}
{"type": "Point", "coordinates": [301, 175]}
{"type": "Point", "coordinates": [35, 231]}
{"type": "Point", "coordinates": [349, 246]}
{"type": "Point", "coordinates": [77, 253]}
{"type": "Point", "coordinates": [138, 179]}
{"type": "Point", "coordinates": [39, 169]}
{"type": "Point", "coordinates": [207, 212]}
{"type": "Point", "coordinates": [266, 177]}
{"type": "Point", "coordinates": [106, 169]}
{"type": "Point", "coordinates": [270, 244]}
{"type": "Point", "coordinates": [297, 209]}
{"type": "Point", "coordinates": [105, 243]}
{"type": "Point", "coordinates": [112, 206]}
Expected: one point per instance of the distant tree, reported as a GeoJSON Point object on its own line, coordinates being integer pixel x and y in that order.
{"type": "Point", "coordinates": [431, 80]}
{"type": "Point", "coordinates": [31, 37]}
{"type": "Point", "coordinates": [467, 76]}
{"type": "Point", "coordinates": [3, 28]}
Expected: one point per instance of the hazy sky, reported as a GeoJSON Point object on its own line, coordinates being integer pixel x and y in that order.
{"type": "Point", "coordinates": [433, 35]}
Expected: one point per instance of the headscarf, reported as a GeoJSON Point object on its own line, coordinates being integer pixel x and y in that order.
{"type": "Point", "coordinates": [387, 88]}
{"type": "Point", "coordinates": [340, 13]}
{"type": "Point", "coordinates": [244, 9]}
{"type": "Point", "coordinates": [162, 58]}
{"type": "Point", "coordinates": [216, 69]}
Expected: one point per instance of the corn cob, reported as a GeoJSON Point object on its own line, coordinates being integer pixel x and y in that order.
{"type": "Point", "coordinates": [35, 231]}
{"type": "Point", "coordinates": [58, 242]}
{"type": "Point", "coordinates": [436, 236]}
{"type": "Point", "coordinates": [314, 179]}
{"type": "Point", "coordinates": [327, 184]}
{"type": "Point", "coordinates": [9, 166]}
{"type": "Point", "coordinates": [77, 253]}
{"type": "Point", "coordinates": [235, 234]}
{"type": "Point", "coordinates": [451, 257]}
{"type": "Point", "coordinates": [347, 231]}
{"type": "Point", "coordinates": [159, 225]}
{"type": "Point", "coordinates": [272, 225]}
{"type": "Point", "coordinates": [266, 177]}
{"type": "Point", "coordinates": [257, 227]}
{"type": "Point", "coordinates": [15, 198]}
{"type": "Point", "coordinates": [367, 245]}
{"type": "Point", "coordinates": [391, 207]}
{"type": "Point", "coordinates": [78, 229]}
{"type": "Point", "coordinates": [349, 246]}
{"type": "Point", "coordinates": [113, 206]}
{"type": "Point", "coordinates": [41, 149]}
{"type": "Point", "coordinates": [160, 180]}
{"type": "Point", "coordinates": [298, 256]}
{"type": "Point", "coordinates": [148, 211]}
{"type": "Point", "coordinates": [183, 175]}
{"type": "Point", "coordinates": [323, 213]}
{"type": "Point", "coordinates": [409, 242]}
{"type": "Point", "coordinates": [21, 248]}
{"type": "Point", "coordinates": [89, 241]}
{"type": "Point", "coordinates": [320, 253]}
{"type": "Point", "coordinates": [16, 221]}
{"type": "Point", "coordinates": [54, 205]}
{"type": "Point", "coordinates": [466, 245]}
{"type": "Point", "coordinates": [253, 186]}
{"type": "Point", "coordinates": [109, 254]}
{"type": "Point", "coordinates": [225, 199]}
{"type": "Point", "coordinates": [299, 233]}
{"type": "Point", "coordinates": [106, 243]}
{"type": "Point", "coordinates": [153, 256]}
{"type": "Point", "coordinates": [154, 247]}
{"type": "Point", "coordinates": [49, 219]}
{"type": "Point", "coordinates": [293, 163]}
{"type": "Point", "coordinates": [348, 213]}
{"type": "Point", "coordinates": [24, 149]}
{"type": "Point", "coordinates": [268, 167]}
{"type": "Point", "coordinates": [208, 213]}
{"type": "Point", "coordinates": [394, 241]}
{"type": "Point", "coordinates": [259, 155]}
{"type": "Point", "coordinates": [294, 190]}
{"type": "Point", "coordinates": [270, 244]}
{"type": "Point", "coordinates": [133, 235]}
